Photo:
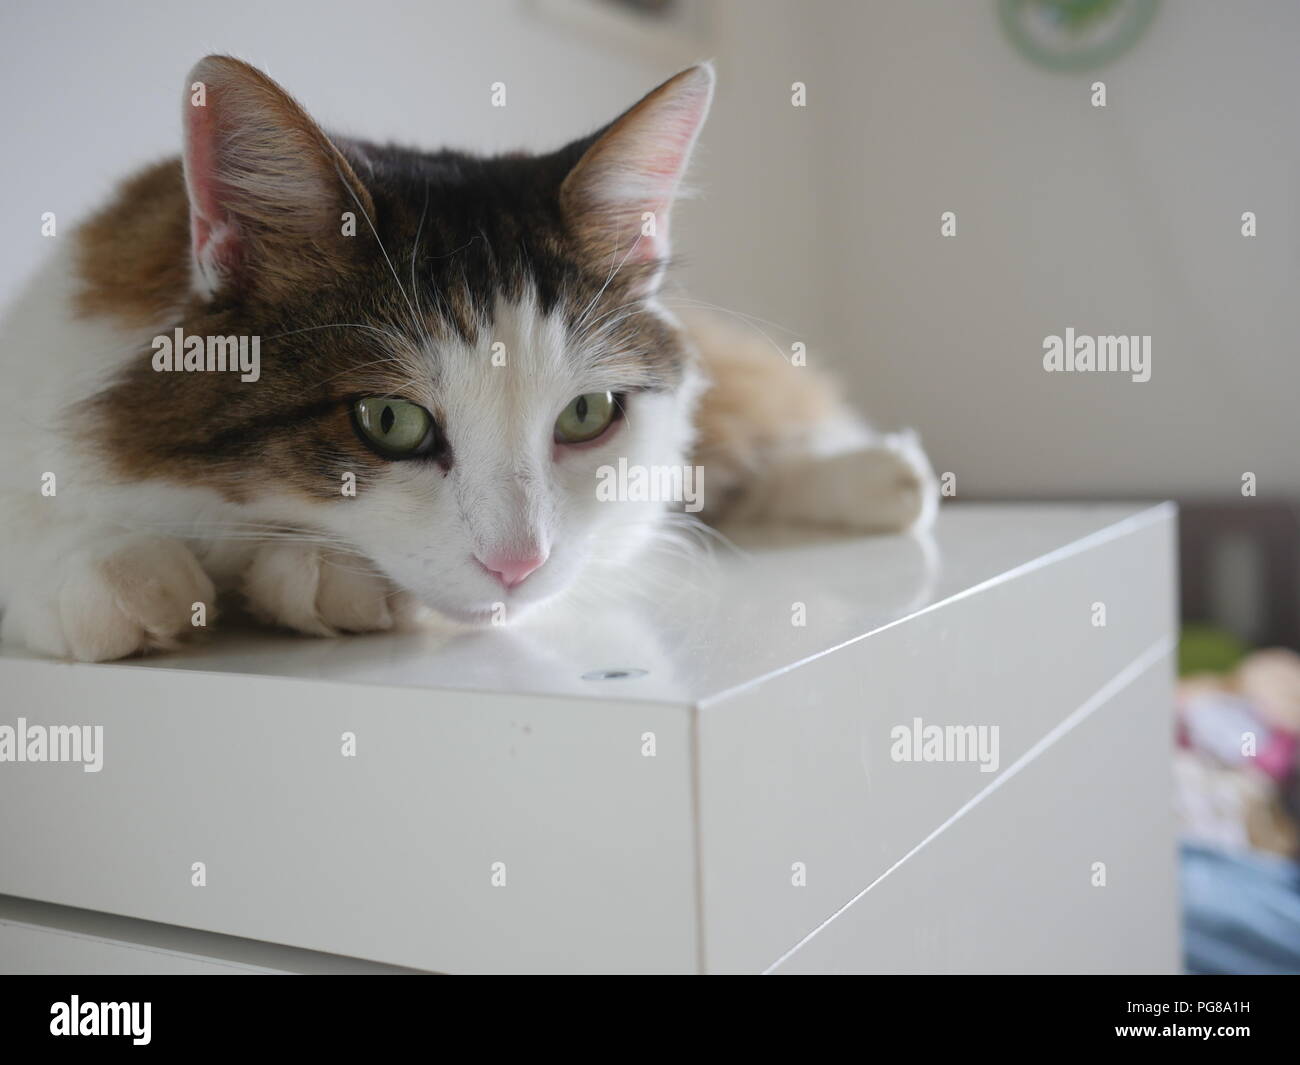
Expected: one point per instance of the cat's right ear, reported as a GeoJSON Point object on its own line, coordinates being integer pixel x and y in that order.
{"type": "Point", "coordinates": [618, 198]}
{"type": "Point", "coordinates": [269, 193]}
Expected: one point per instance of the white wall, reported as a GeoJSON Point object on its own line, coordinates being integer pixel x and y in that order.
{"type": "Point", "coordinates": [751, 242]}
{"type": "Point", "coordinates": [1122, 220]}
{"type": "Point", "coordinates": [93, 89]}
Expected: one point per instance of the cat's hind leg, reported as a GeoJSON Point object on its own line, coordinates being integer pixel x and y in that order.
{"type": "Point", "coordinates": [881, 486]}
{"type": "Point", "coordinates": [777, 443]}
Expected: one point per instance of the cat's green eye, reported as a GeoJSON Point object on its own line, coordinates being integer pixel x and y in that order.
{"type": "Point", "coordinates": [586, 417]}
{"type": "Point", "coordinates": [394, 427]}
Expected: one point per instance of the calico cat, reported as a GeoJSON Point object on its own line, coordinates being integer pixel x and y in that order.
{"type": "Point", "coordinates": [448, 350]}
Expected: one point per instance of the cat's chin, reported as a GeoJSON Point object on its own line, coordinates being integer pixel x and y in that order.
{"type": "Point", "coordinates": [480, 617]}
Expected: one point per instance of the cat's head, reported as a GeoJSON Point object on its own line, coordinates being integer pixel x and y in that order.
{"type": "Point", "coordinates": [450, 346]}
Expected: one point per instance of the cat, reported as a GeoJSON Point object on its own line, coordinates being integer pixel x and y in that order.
{"type": "Point", "coordinates": [448, 350]}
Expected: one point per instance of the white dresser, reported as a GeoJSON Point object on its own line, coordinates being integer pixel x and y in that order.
{"type": "Point", "coordinates": [818, 755]}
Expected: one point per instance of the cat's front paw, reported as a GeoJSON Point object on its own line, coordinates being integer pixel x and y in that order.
{"type": "Point", "coordinates": [126, 596]}
{"type": "Point", "coordinates": [321, 592]}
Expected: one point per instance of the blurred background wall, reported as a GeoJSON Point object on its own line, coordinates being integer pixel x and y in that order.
{"type": "Point", "coordinates": [1125, 220]}
{"type": "Point", "coordinates": [824, 220]}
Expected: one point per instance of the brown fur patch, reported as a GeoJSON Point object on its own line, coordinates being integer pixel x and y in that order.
{"type": "Point", "coordinates": [133, 256]}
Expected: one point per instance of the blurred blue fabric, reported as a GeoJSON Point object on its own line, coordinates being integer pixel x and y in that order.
{"type": "Point", "coordinates": [1241, 912]}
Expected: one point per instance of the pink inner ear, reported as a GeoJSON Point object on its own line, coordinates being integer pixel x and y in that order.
{"type": "Point", "coordinates": [652, 170]}
{"type": "Point", "coordinates": [212, 232]}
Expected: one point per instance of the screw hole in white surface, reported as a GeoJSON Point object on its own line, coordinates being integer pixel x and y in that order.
{"type": "Point", "coordinates": [614, 674]}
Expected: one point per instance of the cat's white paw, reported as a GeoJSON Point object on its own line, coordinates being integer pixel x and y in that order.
{"type": "Point", "coordinates": [886, 488]}
{"type": "Point", "coordinates": [322, 592]}
{"type": "Point", "coordinates": [883, 486]}
{"type": "Point", "coordinates": [126, 596]}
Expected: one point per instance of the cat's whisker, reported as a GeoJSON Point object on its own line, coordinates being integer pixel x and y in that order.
{"type": "Point", "coordinates": [692, 302]}
{"type": "Point", "coordinates": [383, 251]}
{"type": "Point", "coordinates": [335, 562]}
{"type": "Point", "coordinates": [455, 251]}
{"type": "Point", "coordinates": [613, 272]}
{"type": "Point", "coordinates": [415, 246]}
{"type": "Point", "coordinates": [747, 319]}
{"type": "Point", "coordinates": [339, 325]}
{"type": "Point", "coordinates": [653, 580]}
{"type": "Point", "coordinates": [593, 338]}
{"type": "Point", "coordinates": [705, 532]}
{"type": "Point", "coordinates": [251, 532]}
{"type": "Point", "coordinates": [580, 320]}
{"type": "Point", "coordinates": [387, 359]}
{"type": "Point", "coordinates": [638, 303]}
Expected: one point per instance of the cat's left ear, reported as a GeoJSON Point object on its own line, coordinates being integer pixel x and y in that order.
{"type": "Point", "coordinates": [618, 196]}
{"type": "Point", "coordinates": [269, 192]}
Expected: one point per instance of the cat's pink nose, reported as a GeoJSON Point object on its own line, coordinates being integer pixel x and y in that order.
{"type": "Point", "coordinates": [512, 569]}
